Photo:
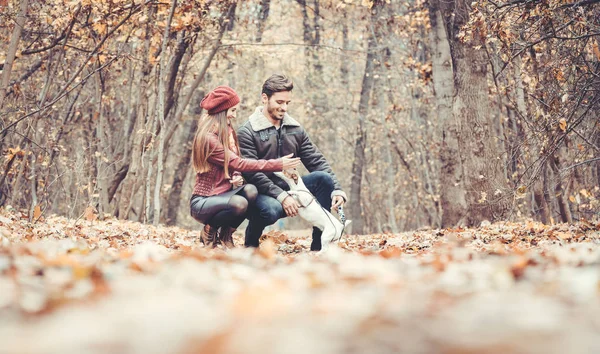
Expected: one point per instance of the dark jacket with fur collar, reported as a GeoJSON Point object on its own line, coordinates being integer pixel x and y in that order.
{"type": "Point", "coordinates": [259, 139]}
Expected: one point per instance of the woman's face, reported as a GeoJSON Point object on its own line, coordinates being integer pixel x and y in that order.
{"type": "Point", "coordinates": [232, 113]}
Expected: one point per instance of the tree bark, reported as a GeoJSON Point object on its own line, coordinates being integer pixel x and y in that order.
{"type": "Point", "coordinates": [485, 183]}
{"type": "Point", "coordinates": [559, 192]}
{"type": "Point", "coordinates": [361, 133]}
{"type": "Point", "coordinates": [182, 46]}
{"type": "Point", "coordinates": [540, 200]}
{"type": "Point", "coordinates": [161, 109]}
{"type": "Point", "coordinates": [103, 158]}
{"type": "Point", "coordinates": [12, 50]}
{"type": "Point", "coordinates": [134, 175]}
{"type": "Point", "coordinates": [535, 149]}
{"type": "Point", "coordinates": [452, 197]}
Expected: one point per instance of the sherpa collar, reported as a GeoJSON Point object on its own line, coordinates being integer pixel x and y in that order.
{"type": "Point", "coordinates": [259, 122]}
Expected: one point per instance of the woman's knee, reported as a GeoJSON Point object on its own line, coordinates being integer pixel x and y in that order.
{"type": "Point", "coordinates": [238, 204]}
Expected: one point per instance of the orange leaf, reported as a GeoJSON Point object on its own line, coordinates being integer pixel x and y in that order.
{"type": "Point", "coordinates": [90, 214]}
{"type": "Point", "coordinates": [562, 124]}
{"type": "Point", "coordinates": [391, 252]}
{"type": "Point", "coordinates": [37, 212]}
{"type": "Point", "coordinates": [596, 50]}
{"type": "Point", "coordinates": [267, 249]}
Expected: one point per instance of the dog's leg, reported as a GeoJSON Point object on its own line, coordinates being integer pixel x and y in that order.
{"type": "Point", "coordinates": [329, 234]}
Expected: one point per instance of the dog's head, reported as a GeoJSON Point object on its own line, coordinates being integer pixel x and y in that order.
{"type": "Point", "coordinates": [292, 174]}
{"type": "Point", "coordinates": [291, 177]}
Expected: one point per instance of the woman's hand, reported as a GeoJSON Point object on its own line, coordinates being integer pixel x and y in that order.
{"type": "Point", "coordinates": [290, 162]}
{"type": "Point", "coordinates": [237, 181]}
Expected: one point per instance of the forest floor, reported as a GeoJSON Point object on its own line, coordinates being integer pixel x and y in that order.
{"type": "Point", "coordinates": [79, 286]}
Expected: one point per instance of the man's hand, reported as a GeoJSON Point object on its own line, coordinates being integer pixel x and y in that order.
{"type": "Point", "coordinates": [336, 202]}
{"type": "Point", "coordinates": [290, 206]}
{"type": "Point", "coordinates": [237, 181]}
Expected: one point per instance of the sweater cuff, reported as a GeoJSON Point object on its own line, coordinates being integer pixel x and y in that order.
{"type": "Point", "coordinates": [340, 193]}
{"type": "Point", "coordinates": [282, 196]}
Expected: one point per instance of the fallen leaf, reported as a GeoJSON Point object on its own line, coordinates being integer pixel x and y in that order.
{"type": "Point", "coordinates": [37, 212]}
{"type": "Point", "coordinates": [562, 123]}
{"type": "Point", "coordinates": [90, 214]}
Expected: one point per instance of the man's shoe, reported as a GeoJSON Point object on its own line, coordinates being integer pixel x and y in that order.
{"type": "Point", "coordinates": [209, 237]}
{"type": "Point", "coordinates": [226, 235]}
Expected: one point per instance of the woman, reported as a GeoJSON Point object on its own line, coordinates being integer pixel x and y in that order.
{"type": "Point", "coordinates": [220, 199]}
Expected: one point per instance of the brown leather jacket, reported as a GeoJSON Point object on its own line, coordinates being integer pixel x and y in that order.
{"type": "Point", "coordinates": [259, 139]}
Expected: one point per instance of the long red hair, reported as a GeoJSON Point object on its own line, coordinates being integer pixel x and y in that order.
{"type": "Point", "coordinates": [211, 124]}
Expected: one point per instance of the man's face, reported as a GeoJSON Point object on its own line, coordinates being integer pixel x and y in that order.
{"type": "Point", "coordinates": [277, 105]}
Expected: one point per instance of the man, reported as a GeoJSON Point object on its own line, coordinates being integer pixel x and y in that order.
{"type": "Point", "coordinates": [271, 133]}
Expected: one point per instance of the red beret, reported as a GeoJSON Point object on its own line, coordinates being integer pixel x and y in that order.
{"type": "Point", "coordinates": [220, 99]}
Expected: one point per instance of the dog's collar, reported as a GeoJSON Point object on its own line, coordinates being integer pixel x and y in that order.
{"type": "Point", "coordinates": [259, 122]}
{"type": "Point", "coordinates": [297, 199]}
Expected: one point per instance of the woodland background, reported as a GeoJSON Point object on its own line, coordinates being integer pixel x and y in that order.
{"type": "Point", "coordinates": [432, 113]}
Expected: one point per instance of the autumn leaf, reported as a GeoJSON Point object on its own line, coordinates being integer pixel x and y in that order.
{"type": "Point", "coordinates": [391, 252]}
{"type": "Point", "coordinates": [267, 249]}
{"type": "Point", "coordinates": [37, 212]}
{"type": "Point", "coordinates": [90, 214]}
{"type": "Point", "coordinates": [596, 50]}
{"type": "Point", "coordinates": [562, 124]}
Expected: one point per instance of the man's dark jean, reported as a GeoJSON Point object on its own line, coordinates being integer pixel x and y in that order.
{"type": "Point", "coordinates": [268, 210]}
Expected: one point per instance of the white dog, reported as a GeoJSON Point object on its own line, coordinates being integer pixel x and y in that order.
{"type": "Point", "coordinates": [310, 209]}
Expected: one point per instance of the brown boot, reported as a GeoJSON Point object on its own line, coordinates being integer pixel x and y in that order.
{"type": "Point", "coordinates": [227, 236]}
{"type": "Point", "coordinates": [208, 236]}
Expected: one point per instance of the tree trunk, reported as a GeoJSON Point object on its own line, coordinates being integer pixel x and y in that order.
{"type": "Point", "coordinates": [149, 154]}
{"type": "Point", "coordinates": [12, 50]}
{"type": "Point", "coordinates": [102, 158]}
{"type": "Point", "coordinates": [485, 183]}
{"type": "Point", "coordinates": [134, 176]}
{"type": "Point", "coordinates": [161, 108]}
{"type": "Point", "coordinates": [452, 197]}
{"type": "Point", "coordinates": [361, 133]}
{"type": "Point", "coordinates": [314, 74]}
{"type": "Point", "coordinates": [183, 166]}
{"type": "Point", "coordinates": [33, 188]}
{"type": "Point", "coordinates": [181, 48]}
{"type": "Point", "coordinates": [559, 192]}
{"type": "Point", "coordinates": [536, 150]}
{"type": "Point", "coordinates": [540, 199]}
{"type": "Point", "coordinates": [263, 15]}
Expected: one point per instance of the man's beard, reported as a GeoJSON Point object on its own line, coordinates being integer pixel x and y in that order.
{"type": "Point", "coordinates": [274, 113]}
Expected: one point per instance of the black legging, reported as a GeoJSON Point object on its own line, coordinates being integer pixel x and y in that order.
{"type": "Point", "coordinates": [234, 212]}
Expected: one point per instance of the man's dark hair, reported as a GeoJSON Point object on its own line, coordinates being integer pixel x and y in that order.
{"type": "Point", "coordinates": [277, 83]}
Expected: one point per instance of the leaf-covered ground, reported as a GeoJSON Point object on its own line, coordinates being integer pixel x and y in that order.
{"type": "Point", "coordinates": [70, 286]}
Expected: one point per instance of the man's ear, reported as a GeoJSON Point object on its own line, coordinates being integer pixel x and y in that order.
{"type": "Point", "coordinates": [265, 98]}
